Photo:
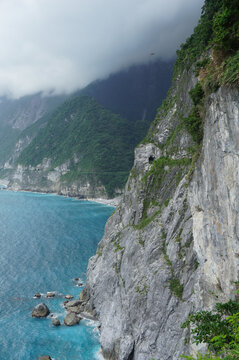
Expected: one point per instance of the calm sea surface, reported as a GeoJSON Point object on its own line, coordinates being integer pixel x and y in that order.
{"type": "Point", "coordinates": [45, 242]}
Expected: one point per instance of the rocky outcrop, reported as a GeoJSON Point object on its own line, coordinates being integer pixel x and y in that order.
{"type": "Point", "coordinates": [56, 322]}
{"type": "Point", "coordinates": [41, 310]}
{"type": "Point", "coordinates": [44, 178]}
{"type": "Point", "coordinates": [214, 199]}
{"type": "Point", "coordinates": [171, 247]}
{"type": "Point", "coordinates": [50, 294]}
{"type": "Point", "coordinates": [74, 306]}
{"type": "Point", "coordinates": [71, 319]}
{"type": "Point", "coordinates": [69, 297]}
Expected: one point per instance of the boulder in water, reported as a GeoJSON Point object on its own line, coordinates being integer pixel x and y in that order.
{"type": "Point", "coordinates": [69, 297]}
{"type": "Point", "coordinates": [45, 357]}
{"type": "Point", "coordinates": [50, 294]}
{"type": "Point", "coordinates": [41, 310]}
{"type": "Point", "coordinates": [71, 319]}
{"type": "Point", "coordinates": [56, 322]}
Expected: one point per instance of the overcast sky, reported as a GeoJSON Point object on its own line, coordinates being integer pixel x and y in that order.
{"type": "Point", "coordinates": [62, 45]}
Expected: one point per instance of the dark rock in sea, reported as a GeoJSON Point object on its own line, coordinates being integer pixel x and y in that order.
{"type": "Point", "coordinates": [37, 295]}
{"type": "Point", "coordinates": [50, 294]}
{"type": "Point", "coordinates": [56, 322]}
{"type": "Point", "coordinates": [45, 357]}
{"type": "Point", "coordinates": [76, 279]}
{"type": "Point", "coordinates": [41, 310]}
{"type": "Point", "coordinates": [71, 319]}
{"type": "Point", "coordinates": [69, 297]}
{"type": "Point", "coordinates": [80, 284]}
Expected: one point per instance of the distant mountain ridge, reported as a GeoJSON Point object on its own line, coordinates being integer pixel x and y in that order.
{"type": "Point", "coordinates": [134, 93]}
{"type": "Point", "coordinates": [78, 141]}
{"type": "Point", "coordinates": [93, 145]}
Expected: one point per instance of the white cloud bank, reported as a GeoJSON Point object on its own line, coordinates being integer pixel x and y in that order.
{"type": "Point", "coordinates": [62, 45]}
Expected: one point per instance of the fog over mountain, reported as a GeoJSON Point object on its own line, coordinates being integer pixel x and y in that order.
{"type": "Point", "coordinates": [62, 45]}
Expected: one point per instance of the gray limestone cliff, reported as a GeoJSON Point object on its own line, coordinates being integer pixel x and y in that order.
{"type": "Point", "coordinates": [44, 178]}
{"type": "Point", "coordinates": [171, 247]}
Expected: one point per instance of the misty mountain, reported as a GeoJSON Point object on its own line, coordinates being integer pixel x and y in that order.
{"type": "Point", "coordinates": [38, 128]}
{"type": "Point", "coordinates": [136, 92]}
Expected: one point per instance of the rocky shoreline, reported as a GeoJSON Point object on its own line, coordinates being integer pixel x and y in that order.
{"type": "Point", "coordinates": [111, 202]}
{"type": "Point", "coordinates": [75, 308]}
{"type": "Point", "coordinates": [55, 297]}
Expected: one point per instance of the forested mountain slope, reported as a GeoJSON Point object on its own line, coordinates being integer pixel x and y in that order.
{"type": "Point", "coordinates": [94, 145]}
{"type": "Point", "coordinates": [106, 153]}
{"type": "Point", "coordinates": [18, 114]}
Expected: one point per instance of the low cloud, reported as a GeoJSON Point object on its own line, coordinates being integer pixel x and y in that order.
{"type": "Point", "coordinates": [62, 45]}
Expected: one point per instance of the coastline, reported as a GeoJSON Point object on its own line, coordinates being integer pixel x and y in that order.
{"type": "Point", "coordinates": [111, 202]}
{"type": "Point", "coordinates": [67, 284]}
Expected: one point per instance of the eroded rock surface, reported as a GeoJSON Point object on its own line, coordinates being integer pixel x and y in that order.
{"type": "Point", "coordinates": [41, 310]}
{"type": "Point", "coordinates": [171, 247]}
{"type": "Point", "coordinates": [56, 322]}
{"type": "Point", "coordinates": [71, 319]}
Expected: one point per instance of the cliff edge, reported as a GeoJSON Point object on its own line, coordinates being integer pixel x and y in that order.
{"type": "Point", "coordinates": [171, 247]}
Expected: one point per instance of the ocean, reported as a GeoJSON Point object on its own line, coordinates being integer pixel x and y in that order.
{"type": "Point", "coordinates": [45, 242]}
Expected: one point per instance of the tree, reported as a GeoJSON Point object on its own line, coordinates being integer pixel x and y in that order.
{"type": "Point", "coordinates": [219, 329]}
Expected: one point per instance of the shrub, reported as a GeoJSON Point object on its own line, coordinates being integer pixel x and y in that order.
{"type": "Point", "coordinates": [226, 26]}
{"type": "Point", "coordinates": [219, 329]}
{"type": "Point", "coordinates": [194, 125]}
{"type": "Point", "coordinates": [197, 94]}
{"type": "Point", "coordinates": [231, 70]}
{"type": "Point", "coordinates": [176, 287]}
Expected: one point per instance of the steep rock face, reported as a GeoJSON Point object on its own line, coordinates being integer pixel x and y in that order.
{"type": "Point", "coordinates": [171, 247]}
{"type": "Point", "coordinates": [214, 197]}
{"type": "Point", "coordinates": [44, 178]}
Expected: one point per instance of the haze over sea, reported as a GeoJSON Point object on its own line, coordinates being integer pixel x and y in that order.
{"type": "Point", "coordinates": [45, 242]}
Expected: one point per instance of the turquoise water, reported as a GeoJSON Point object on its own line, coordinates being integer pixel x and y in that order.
{"type": "Point", "coordinates": [45, 242]}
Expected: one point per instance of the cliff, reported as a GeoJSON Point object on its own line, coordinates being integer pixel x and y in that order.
{"type": "Point", "coordinates": [171, 247]}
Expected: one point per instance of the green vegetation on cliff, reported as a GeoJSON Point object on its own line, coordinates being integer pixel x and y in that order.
{"type": "Point", "coordinates": [197, 43]}
{"type": "Point", "coordinates": [97, 143]}
{"type": "Point", "coordinates": [216, 40]}
{"type": "Point", "coordinates": [219, 329]}
{"type": "Point", "coordinates": [194, 122]}
{"type": "Point", "coordinates": [212, 52]}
